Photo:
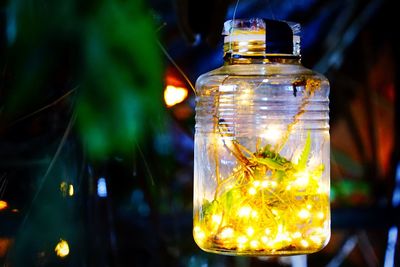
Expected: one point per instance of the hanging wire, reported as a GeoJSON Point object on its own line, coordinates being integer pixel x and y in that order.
{"type": "Point", "coordinates": [234, 11]}
{"type": "Point", "coordinates": [53, 103]}
{"type": "Point", "coordinates": [270, 9]}
{"type": "Point", "coordinates": [176, 66]}
{"type": "Point", "coordinates": [233, 24]}
{"type": "Point", "coordinates": [51, 165]}
{"type": "Point", "coordinates": [3, 185]}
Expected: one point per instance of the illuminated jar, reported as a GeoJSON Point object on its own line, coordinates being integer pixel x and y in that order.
{"type": "Point", "coordinates": [261, 160]}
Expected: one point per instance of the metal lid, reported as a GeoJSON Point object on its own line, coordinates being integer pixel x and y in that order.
{"type": "Point", "coordinates": [276, 36]}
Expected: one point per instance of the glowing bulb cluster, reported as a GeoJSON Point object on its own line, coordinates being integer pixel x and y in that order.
{"type": "Point", "coordinates": [265, 216]}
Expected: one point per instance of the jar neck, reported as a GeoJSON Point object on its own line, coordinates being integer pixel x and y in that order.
{"type": "Point", "coordinates": [254, 52]}
{"type": "Point", "coordinates": [232, 59]}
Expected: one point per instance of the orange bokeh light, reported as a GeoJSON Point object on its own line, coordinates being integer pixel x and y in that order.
{"type": "Point", "coordinates": [3, 205]}
{"type": "Point", "coordinates": [174, 95]}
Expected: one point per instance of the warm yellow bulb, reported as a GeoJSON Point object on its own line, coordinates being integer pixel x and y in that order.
{"type": "Point", "coordinates": [252, 191]}
{"type": "Point", "coordinates": [62, 248]}
{"type": "Point", "coordinates": [323, 190]}
{"type": "Point", "coordinates": [254, 214]}
{"type": "Point", "coordinates": [264, 184]}
{"type": "Point", "coordinates": [254, 244]}
{"type": "Point", "coordinates": [200, 236]}
{"type": "Point", "coordinates": [282, 237]}
{"type": "Point", "coordinates": [67, 189]}
{"type": "Point", "coordinates": [256, 183]}
{"type": "Point", "coordinates": [196, 229]}
{"type": "Point", "coordinates": [174, 95]}
{"type": "Point", "coordinates": [271, 244]}
{"type": "Point", "coordinates": [272, 134]}
{"type": "Point", "coordinates": [304, 214]}
{"type": "Point", "coordinates": [296, 235]}
{"type": "Point", "coordinates": [242, 240]}
{"type": "Point", "coordinates": [304, 243]}
{"type": "Point", "coordinates": [245, 97]}
{"type": "Point", "coordinates": [316, 239]}
{"type": "Point", "coordinates": [71, 190]}
{"type": "Point", "coordinates": [198, 233]}
{"type": "Point", "coordinates": [244, 211]}
{"type": "Point", "coordinates": [250, 231]}
{"type": "Point", "coordinates": [320, 215]}
{"type": "Point", "coordinates": [227, 233]}
{"type": "Point", "coordinates": [303, 178]}
{"type": "Point", "coordinates": [216, 218]}
{"type": "Point", "coordinates": [264, 239]}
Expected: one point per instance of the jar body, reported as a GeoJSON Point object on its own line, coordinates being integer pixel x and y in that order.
{"type": "Point", "coordinates": [261, 160]}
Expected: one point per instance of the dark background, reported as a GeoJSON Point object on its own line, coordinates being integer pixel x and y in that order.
{"type": "Point", "coordinates": [81, 98]}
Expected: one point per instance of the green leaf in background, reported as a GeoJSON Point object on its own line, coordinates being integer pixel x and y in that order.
{"type": "Point", "coordinates": [121, 91]}
{"type": "Point", "coordinates": [106, 49]}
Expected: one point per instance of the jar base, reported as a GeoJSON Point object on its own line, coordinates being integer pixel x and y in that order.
{"type": "Point", "coordinates": [260, 253]}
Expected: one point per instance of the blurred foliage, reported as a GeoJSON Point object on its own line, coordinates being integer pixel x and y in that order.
{"type": "Point", "coordinates": [351, 193]}
{"type": "Point", "coordinates": [105, 49]}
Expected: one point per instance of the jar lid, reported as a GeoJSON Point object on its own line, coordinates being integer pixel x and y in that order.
{"type": "Point", "coordinates": [279, 37]}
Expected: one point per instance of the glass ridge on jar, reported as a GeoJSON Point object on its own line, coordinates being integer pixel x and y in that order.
{"type": "Point", "coordinates": [261, 156]}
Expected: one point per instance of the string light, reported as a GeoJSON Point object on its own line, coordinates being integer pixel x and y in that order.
{"type": "Point", "coordinates": [304, 243]}
{"type": "Point", "coordinates": [250, 231]}
{"type": "Point", "coordinates": [254, 214]}
{"type": "Point", "coordinates": [242, 240]}
{"type": "Point", "coordinates": [252, 191]}
{"type": "Point", "coordinates": [254, 244]}
{"type": "Point", "coordinates": [62, 248]}
{"type": "Point", "coordinates": [296, 235]}
{"type": "Point", "coordinates": [296, 220]}
{"type": "Point", "coordinates": [67, 189]}
{"type": "Point", "coordinates": [302, 179]}
{"type": "Point", "coordinates": [71, 190]}
{"type": "Point", "coordinates": [244, 211]}
{"type": "Point", "coordinates": [264, 184]}
{"type": "Point", "coordinates": [304, 214]}
{"type": "Point", "coordinates": [174, 95]}
{"type": "Point", "coordinates": [198, 234]}
{"type": "Point", "coordinates": [227, 233]}
{"type": "Point", "coordinates": [245, 97]}
{"type": "Point", "coordinates": [315, 239]}
{"type": "Point", "coordinates": [3, 205]}
{"type": "Point", "coordinates": [268, 204]}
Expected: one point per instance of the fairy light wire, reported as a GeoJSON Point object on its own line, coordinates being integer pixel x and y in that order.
{"type": "Point", "coordinates": [233, 24]}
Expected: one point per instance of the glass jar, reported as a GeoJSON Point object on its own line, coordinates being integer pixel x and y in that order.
{"type": "Point", "coordinates": [261, 158]}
